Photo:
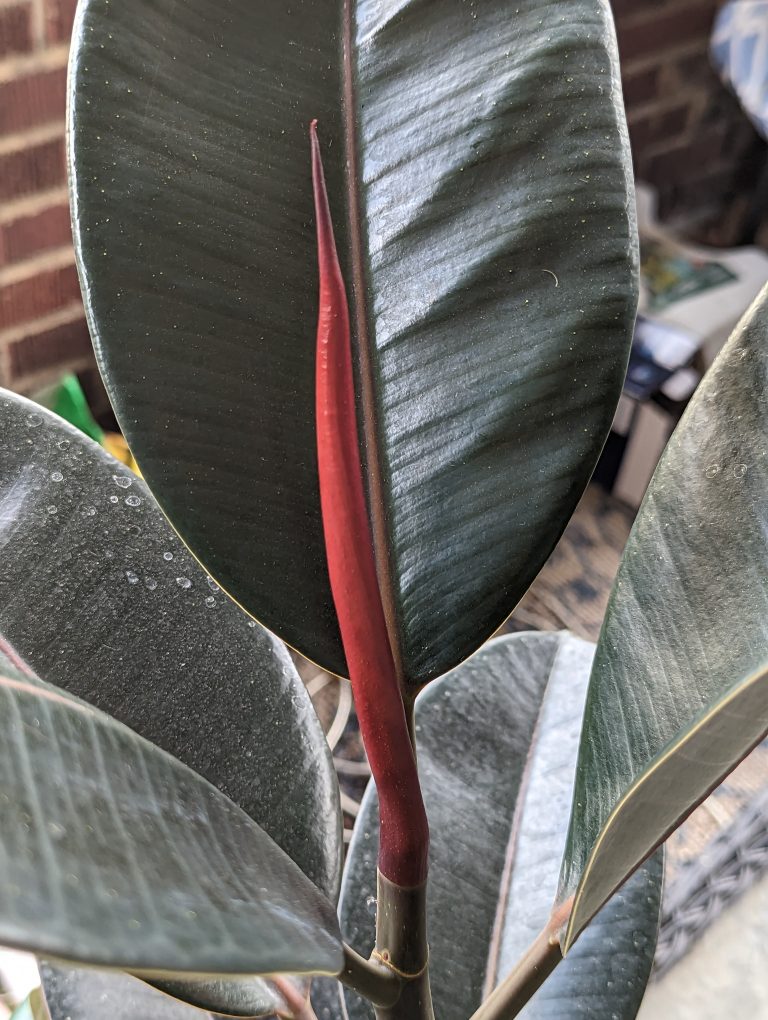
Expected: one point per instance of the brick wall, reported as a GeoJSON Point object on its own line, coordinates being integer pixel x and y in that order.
{"type": "Point", "coordinates": [689, 137]}
{"type": "Point", "coordinates": [42, 328]}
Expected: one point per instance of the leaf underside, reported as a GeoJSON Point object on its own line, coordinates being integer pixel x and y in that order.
{"type": "Point", "coordinates": [498, 824]}
{"type": "Point", "coordinates": [679, 689]}
{"type": "Point", "coordinates": [245, 997]}
{"type": "Point", "coordinates": [125, 619]}
{"type": "Point", "coordinates": [116, 854]}
{"type": "Point", "coordinates": [486, 236]}
{"type": "Point", "coordinates": [73, 993]}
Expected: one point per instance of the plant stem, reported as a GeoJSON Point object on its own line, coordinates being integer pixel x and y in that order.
{"type": "Point", "coordinates": [506, 1001]}
{"type": "Point", "coordinates": [401, 926]}
{"type": "Point", "coordinates": [379, 984]}
{"type": "Point", "coordinates": [401, 946]}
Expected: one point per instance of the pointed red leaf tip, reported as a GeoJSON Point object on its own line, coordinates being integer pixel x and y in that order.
{"type": "Point", "coordinates": [404, 838]}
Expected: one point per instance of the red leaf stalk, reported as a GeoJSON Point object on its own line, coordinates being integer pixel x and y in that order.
{"type": "Point", "coordinates": [404, 839]}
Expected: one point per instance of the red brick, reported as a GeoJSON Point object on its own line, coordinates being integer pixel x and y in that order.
{"type": "Point", "coordinates": [51, 347]}
{"type": "Point", "coordinates": [38, 295]}
{"type": "Point", "coordinates": [624, 9]}
{"type": "Point", "coordinates": [678, 162]}
{"type": "Point", "coordinates": [693, 71]}
{"type": "Point", "coordinates": [35, 169]}
{"type": "Point", "coordinates": [670, 28]}
{"type": "Point", "coordinates": [657, 127]}
{"type": "Point", "coordinates": [59, 15]}
{"type": "Point", "coordinates": [640, 86]}
{"type": "Point", "coordinates": [33, 99]}
{"type": "Point", "coordinates": [15, 29]}
{"type": "Point", "coordinates": [706, 189]}
{"type": "Point", "coordinates": [27, 235]}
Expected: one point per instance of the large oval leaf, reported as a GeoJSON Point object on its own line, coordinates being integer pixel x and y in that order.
{"type": "Point", "coordinates": [497, 748]}
{"type": "Point", "coordinates": [73, 993]}
{"type": "Point", "coordinates": [679, 689]}
{"type": "Point", "coordinates": [100, 597]}
{"type": "Point", "coordinates": [478, 172]}
{"type": "Point", "coordinates": [246, 997]}
{"type": "Point", "coordinates": [116, 854]}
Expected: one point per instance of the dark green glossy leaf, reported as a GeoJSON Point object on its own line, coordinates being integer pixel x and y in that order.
{"type": "Point", "coordinates": [72, 993]}
{"type": "Point", "coordinates": [679, 689]}
{"type": "Point", "coordinates": [75, 994]}
{"type": "Point", "coordinates": [101, 598]}
{"type": "Point", "coordinates": [497, 749]}
{"type": "Point", "coordinates": [247, 997]}
{"type": "Point", "coordinates": [127, 620]}
{"type": "Point", "coordinates": [481, 194]}
{"type": "Point", "coordinates": [116, 854]}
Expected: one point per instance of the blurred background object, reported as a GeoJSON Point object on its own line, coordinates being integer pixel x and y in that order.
{"type": "Point", "coordinates": [691, 141]}
{"type": "Point", "coordinates": [740, 53]}
{"type": "Point", "coordinates": [42, 325]}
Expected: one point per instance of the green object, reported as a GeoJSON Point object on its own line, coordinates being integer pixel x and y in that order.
{"type": "Point", "coordinates": [33, 1007]}
{"type": "Point", "coordinates": [180, 665]}
{"type": "Point", "coordinates": [247, 997]}
{"type": "Point", "coordinates": [495, 860]}
{"type": "Point", "coordinates": [125, 619]}
{"type": "Point", "coordinates": [492, 261]}
{"type": "Point", "coordinates": [671, 274]}
{"type": "Point", "coordinates": [128, 853]}
{"type": "Point", "coordinates": [679, 689]}
{"type": "Point", "coordinates": [23, 1011]}
{"type": "Point", "coordinates": [74, 993]}
{"type": "Point", "coordinates": [66, 398]}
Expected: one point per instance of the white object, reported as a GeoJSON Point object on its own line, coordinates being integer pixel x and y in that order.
{"type": "Point", "coordinates": [681, 385]}
{"type": "Point", "coordinates": [739, 49]}
{"type": "Point", "coordinates": [709, 315]}
{"type": "Point", "coordinates": [19, 973]}
{"type": "Point", "coordinates": [650, 429]}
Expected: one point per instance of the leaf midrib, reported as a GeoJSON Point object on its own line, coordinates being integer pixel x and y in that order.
{"type": "Point", "coordinates": [371, 457]}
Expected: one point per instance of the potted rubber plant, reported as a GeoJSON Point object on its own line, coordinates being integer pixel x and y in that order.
{"type": "Point", "coordinates": [361, 280]}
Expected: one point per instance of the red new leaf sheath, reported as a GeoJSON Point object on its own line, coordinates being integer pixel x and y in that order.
{"type": "Point", "coordinates": [404, 839]}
